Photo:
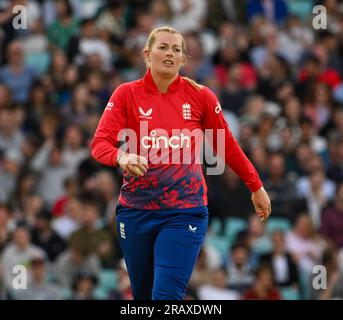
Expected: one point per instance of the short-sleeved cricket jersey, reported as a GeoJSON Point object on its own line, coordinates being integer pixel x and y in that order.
{"type": "Point", "coordinates": [165, 128]}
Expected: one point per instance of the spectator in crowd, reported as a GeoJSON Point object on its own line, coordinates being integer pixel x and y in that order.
{"type": "Point", "coordinates": [71, 187]}
{"type": "Point", "coordinates": [275, 71]}
{"type": "Point", "coordinates": [46, 238]}
{"type": "Point", "coordinates": [111, 22]}
{"type": "Point", "coordinates": [32, 207]}
{"type": "Point", "coordinates": [240, 272]}
{"type": "Point", "coordinates": [319, 105]}
{"type": "Point", "coordinates": [24, 189]}
{"type": "Point", "coordinates": [304, 243]}
{"type": "Point", "coordinates": [105, 186]}
{"type": "Point", "coordinates": [332, 220]}
{"type": "Point", "coordinates": [335, 169]}
{"type": "Point", "coordinates": [233, 95]}
{"type": "Point", "coordinates": [318, 192]}
{"type": "Point", "coordinates": [73, 150]}
{"type": "Point", "coordinates": [284, 268]}
{"type": "Point", "coordinates": [201, 271]}
{"type": "Point", "coordinates": [48, 163]}
{"type": "Point", "coordinates": [263, 287]}
{"type": "Point", "coordinates": [162, 12]}
{"type": "Point", "coordinates": [259, 240]}
{"type": "Point", "coordinates": [39, 287]}
{"type": "Point", "coordinates": [81, 104]}
{"type": "Point", "coordinates": [69, 222]}
{"type": "Point", "coordinates": [19, 251]}
{"type": "Point", "coordinates": [229, 185]}
{"type": "Point", "coordinates": [123, 291]}
{"type": "Point", "coordinates": [83, 286]}
{"type": "Point", "coordinates": [187, 14]}
{"type": "Point", "coordinates": [91, 231]}
{"type": "Point", "coordinates": [38, 104]}
{"type": "Point", "coordinates": [9, 173]}
{"type": "Point", "coordinates": [16, 75]}
{"type": "Point", "coordinates": [65, 26]}
{"type": "Point", "coordinates": [274, 10]}
{"type": "Point", "coordinates": [5, 225]}
{"type": "Point", "coordinates": [334, 278]}
{"type": "Point", "coordinates": [280, 187]}
{"type": "Point", "coordinates": [89, 42]}
{"type": "Point", "coordinates": [77, 258]}
{"type": "Point", "coordinates": [295, 39]}
{"type": "Point", "coordinates": [36, 47]}
{"type": "Point", "coordinates": [216, 289]}
{"type": "Point", "coordinates": [11, 136]}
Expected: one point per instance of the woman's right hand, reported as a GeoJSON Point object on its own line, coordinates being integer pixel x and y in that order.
{"type": "Point", "coordinates": [133, 164]}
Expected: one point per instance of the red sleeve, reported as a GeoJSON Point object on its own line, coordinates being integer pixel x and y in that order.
{"type": "Point", "coordinates": [235, 158]}
{"type": "Point", "coordinates": [104, 146]}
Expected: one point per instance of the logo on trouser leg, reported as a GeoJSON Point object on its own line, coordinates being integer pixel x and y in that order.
{"type": "Point", "coordinates": [122, 230]}
{"type": "Point", "coordinates": [192, 229]}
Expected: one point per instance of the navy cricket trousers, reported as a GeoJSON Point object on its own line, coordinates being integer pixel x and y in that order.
{"type": "Point", "coordinates": [160, 249]}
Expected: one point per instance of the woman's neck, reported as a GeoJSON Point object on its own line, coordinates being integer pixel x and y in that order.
{"type": "Point", "coordinates": [162, 83]}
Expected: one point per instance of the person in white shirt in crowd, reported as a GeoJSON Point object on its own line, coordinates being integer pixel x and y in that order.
{"type": "Point", "coordinates": [88, 42]}
{"type": "Point", "coordinates": [217, 289]}
{"type": "Point", "coordinates": [284, 267]}
{"type": "Point", "coordinates": [188, 15]}
{"type": "Point", "coordinates": [69, 222]}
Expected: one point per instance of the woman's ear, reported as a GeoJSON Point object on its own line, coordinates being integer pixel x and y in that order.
{"type": "Point", "coordinates": [183, 62]}
{"type": "Point", "coordinates": [146, 54]}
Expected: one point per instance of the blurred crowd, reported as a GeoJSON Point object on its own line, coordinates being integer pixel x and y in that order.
{"type": "Point", "coordinates": [280, 85]}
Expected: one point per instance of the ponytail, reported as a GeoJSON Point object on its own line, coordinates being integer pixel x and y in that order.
{"type": "Point", "coordinates": [196, 85]}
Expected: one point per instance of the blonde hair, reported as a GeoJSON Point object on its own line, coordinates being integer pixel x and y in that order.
{"type": "Point", "coordinates": [151, 40]}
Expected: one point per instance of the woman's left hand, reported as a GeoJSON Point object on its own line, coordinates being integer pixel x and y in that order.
{"type": "Point", "coordinates": [261, 203]}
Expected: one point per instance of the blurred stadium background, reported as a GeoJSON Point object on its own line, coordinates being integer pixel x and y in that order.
{"type": "Point", "coordinates": [280, 85]}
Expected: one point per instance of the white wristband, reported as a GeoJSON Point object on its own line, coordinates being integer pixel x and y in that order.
{"type": "Point", "coordinates": [118, 158]}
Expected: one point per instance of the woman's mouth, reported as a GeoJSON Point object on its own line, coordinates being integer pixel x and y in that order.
{"type": "Point", "coordinates": [168, 63]}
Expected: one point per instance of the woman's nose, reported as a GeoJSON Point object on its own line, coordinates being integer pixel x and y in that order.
{"type": "Point", "coordinates": [170, 53]}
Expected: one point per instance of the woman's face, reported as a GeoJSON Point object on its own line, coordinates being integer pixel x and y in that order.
{"type": "Point", "coordinates": [166, 57]}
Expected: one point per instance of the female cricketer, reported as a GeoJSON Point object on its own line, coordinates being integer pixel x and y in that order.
{"type": "Point", "coordinates": [162, 214]}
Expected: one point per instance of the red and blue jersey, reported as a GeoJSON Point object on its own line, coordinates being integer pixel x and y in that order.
{"type": "Point", "coordinates": [159, 125]}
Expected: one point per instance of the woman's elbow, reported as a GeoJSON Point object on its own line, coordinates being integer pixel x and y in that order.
{"type": "Point", "coordinates": [93, 148]}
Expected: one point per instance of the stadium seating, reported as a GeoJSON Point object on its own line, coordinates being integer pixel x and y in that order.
{"type": "Point", "coordinates": [233, 225]}
{"type": "Point", "coordinates": [278, 223]}
{"type": "Point", "coordinates": [107, 283]}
